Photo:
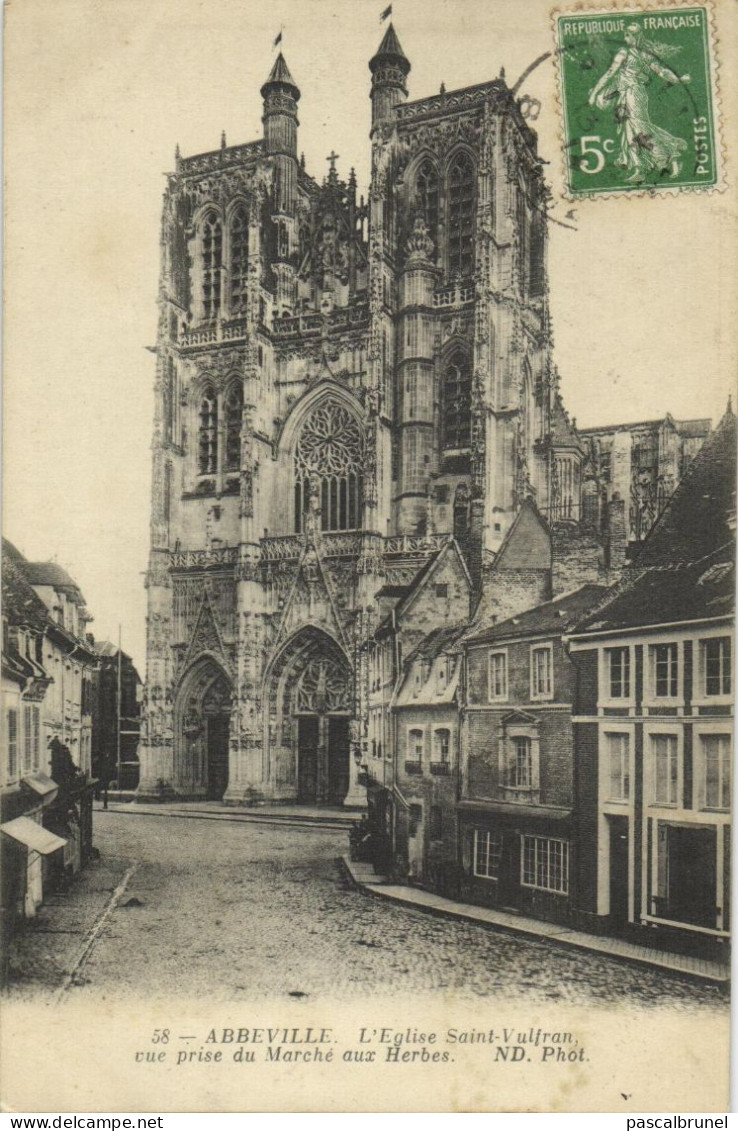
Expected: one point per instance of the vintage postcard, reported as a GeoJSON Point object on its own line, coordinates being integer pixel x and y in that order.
{"type": "Point", "coordinates": [368, 570]}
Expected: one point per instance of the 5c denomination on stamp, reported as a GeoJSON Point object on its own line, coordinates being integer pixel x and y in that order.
{"type": "Point", "coordinates": [638, 96]}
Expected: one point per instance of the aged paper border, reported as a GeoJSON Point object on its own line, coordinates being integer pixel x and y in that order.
{"type": "Point", "coordinates": [81, 1058]}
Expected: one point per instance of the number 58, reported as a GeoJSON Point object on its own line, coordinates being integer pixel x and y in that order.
{"type": "Point", "coordinates": [593, 157]}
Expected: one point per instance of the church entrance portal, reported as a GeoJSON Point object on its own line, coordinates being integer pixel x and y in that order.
{"type": "Point", "coordinates": [203, 719]}
{"type": "Point", "coordinates": [322, 759]}
{"type": "Point", "coordinates": [313, 706]}
{"type": "Point", "coordinates": [218, 730]}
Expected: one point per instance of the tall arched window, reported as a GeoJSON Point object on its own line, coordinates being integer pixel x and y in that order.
{"type": "Point", "coordinates": [427, 198]}
{"type": "Point", "coordinates": [461, 215]}
{"type": "Point", "coordinates": [528, 409]}
{"type": "Point", "coordinates": [239, 248]}
{"type": "Point", "coordinates": [457, 387]}
{"type": "Point", "coordinates": [212, 261]}
{"type": "Point", "coordinates": [167, 489]}
{"type": "Point", "coordinates": [329, 468]}
{"type": "Point", "coordinates": [462, 514]}
{"type": "Point", "coordinates": [208, 433]}
{"type": "Point", "coordinates": [521, 209]}
{"type": "Point", "coordinates": [304, 242]}
{"type": "Point", "coordinates": [233, 411]}
{"type": "Point", "coordinates": [167, 407]}
{"type": "Point", "coordinates": [537, 255]}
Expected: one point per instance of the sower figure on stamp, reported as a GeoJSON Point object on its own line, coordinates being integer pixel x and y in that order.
{"type": "Point", "coordinates": [643, 145]}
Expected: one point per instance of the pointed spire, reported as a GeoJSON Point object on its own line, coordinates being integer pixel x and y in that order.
{"type": "Point", "coordinates": [280, 76]}
{"type": "Point", "coordinates": [390, 50]}
{"type": "Point", "coordinates": [390, 68]}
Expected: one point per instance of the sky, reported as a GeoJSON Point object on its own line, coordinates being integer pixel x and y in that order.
{"type": "Point", "coordinates": [97, 95]}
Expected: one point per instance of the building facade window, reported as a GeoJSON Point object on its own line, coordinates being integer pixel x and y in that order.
{"type": "Point", "coordinates": [12, 733]}
{"type": "Point", "coordinates": [716, 760]}
{"type": "Point", "coordinates": [36, 738]}
{"type": "Point", "coordinates": [497, 675]}
{"type": "Point", "coordinates": [541, 672]}
{"type": "Point", "coordinates": [665, 769]}
{"type": "Point", "coordinates": [665, 670]}
{"type": "Point", "coordinates": [208, 433]}
{"type": "Point", "coordinates": [519, 758]}
{"type": "Point", "coordinates": [457, 388]}
{"type": "Point", "coordinates": [618, 761]}
{"type": "Point", "coordinates": [233, 414]}
{"type": "Point", "coordinates": [239, 259]}
{"type": "Point", "coordinates": [716, 666]}
{"type": "Point", "coordinates": [545, 864]}
{"type": "Point", "coordinates": [487, 853]}
{"type": "Point", "coordinates": [461, 201]}
{"type": "Point", "coordinates": [415, 820]}
{"type": "Point", "coordinates": [520, 764]}
{"type": "Point", "coordinates": [212, 262]}
{"type": "Point", "coordinates": [27, 740]}
{"type": "Point", "coordinates": [618, 672]}
{"type": "Point", "coordinates": [441, 745]}
{"type": "Point", "coordinates": [329, 458]}
{"type": "Point", "coordinates": [415, 745]}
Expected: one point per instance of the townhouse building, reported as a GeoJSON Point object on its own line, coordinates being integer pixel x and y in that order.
{"type": "Point", "coordinates": [654, 719]}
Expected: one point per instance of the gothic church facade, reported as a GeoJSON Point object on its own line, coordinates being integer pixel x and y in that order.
{"type": "Point", "coordinates": [346, 392]}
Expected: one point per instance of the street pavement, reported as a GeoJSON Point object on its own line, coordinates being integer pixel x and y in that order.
{"type": "Point", "coordinates": [236, 910]}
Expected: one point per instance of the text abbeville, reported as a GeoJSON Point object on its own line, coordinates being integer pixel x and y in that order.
{"type": "Point", "coordinates": [305, 1036]}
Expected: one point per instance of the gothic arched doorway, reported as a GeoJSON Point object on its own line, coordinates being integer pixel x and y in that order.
{"type": "Point", "coordinates": [202, 721]}
{"type": "Point", "coordinates": [311, 705]}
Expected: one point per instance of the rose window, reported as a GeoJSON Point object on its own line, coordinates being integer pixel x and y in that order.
{"type": "Point", "coordinates": [329, 469]}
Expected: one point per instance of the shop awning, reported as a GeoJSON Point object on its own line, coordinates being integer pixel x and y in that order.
{"type": "Point", "coordinates": [511, 809]}
{"type": "Point", "coordinates": [34, 836]}
{"type": "Point", "coordinates": [42, 785]}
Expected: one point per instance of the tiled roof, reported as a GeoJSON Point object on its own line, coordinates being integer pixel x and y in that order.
{"type": "Point", "coordinates": [51, 573]}
{"type": "Point", "coordinates": [21, 603]}
{"type": "Point", "coordinates": [699, 427]}
{"type": "Point", "coordinates": [409, 592]}
{"type": "Point", "coordinates": [697, 520]}
{"type": "Point", "coordinates": [688, 592]}
{"type": "Point", "coordinates": [436, 642]}
{"type": "Point", "coordinates": [551, 618]}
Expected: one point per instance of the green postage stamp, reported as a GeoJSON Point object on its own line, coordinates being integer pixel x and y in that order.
{"type": "Point", "coordinates": [638, 94]}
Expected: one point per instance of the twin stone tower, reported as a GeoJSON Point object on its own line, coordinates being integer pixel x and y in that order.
{"type": "Point", "coordinates": [345, 391]}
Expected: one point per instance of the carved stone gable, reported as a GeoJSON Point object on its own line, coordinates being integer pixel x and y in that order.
{"type": "Point", "coordinates": [207, 636]}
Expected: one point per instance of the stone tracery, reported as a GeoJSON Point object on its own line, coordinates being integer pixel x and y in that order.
{"type": "Point", "coordinates": [329, 467]}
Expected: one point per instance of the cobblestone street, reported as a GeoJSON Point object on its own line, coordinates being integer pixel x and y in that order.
{"type": "Point", "coordinates": [230, 910]}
